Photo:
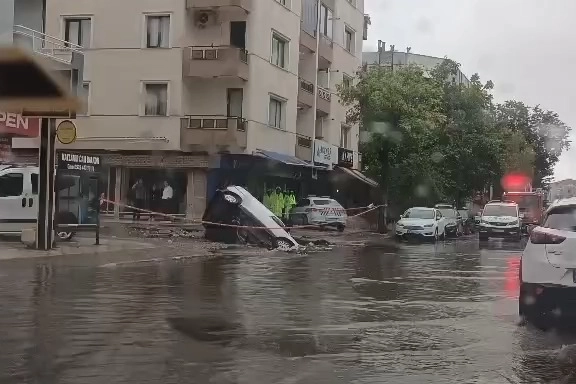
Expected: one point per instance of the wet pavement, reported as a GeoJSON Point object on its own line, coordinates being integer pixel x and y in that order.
{"type": "Point", "coordinates": [424, 313]}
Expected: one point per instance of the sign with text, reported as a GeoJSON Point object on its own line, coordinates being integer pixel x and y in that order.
{"type": "Point", "coordinates": [15, 124]}
{"type": "Point", "coordinates": [79, 162]}
{"type": "Point", "coordinates": [345, 158]}
{"type": "Point", "coordinates": [324, 153]}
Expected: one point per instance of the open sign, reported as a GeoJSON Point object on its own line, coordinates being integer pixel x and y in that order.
{"type": "Point", "coordinates": [15, 124]}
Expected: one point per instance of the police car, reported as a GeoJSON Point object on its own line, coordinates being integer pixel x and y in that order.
{"type": "Point", "coordinates": [322, 211]}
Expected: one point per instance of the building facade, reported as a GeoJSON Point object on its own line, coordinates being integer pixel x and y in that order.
{"type": "Point", "coordinates": [22, 23]}
{"type": "Point", "coordinates": [178, 90]}
{"type": "Point", "coordinates": [397, 59]}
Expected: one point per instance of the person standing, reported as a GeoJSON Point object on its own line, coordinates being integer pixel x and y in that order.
{"type": "Point", "coordinates": [167, 196]}
{"type": "Point", "coordinates": [139, 197]}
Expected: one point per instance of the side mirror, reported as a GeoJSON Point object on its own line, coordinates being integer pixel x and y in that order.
{"type": "Point", "coordinates": [401, 217]}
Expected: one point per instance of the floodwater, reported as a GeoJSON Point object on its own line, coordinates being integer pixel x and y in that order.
{"type": "Point", "coordinates": [426, 313]}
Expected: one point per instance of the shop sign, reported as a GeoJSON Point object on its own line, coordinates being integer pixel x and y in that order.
{"type": "Point", "coordinates": [66, 132]}
{"type": "Point", "coordinates": [79, 162]}
{"type": "Point", "coordinates": [324, 153]}
{"type": "Point", "coordinates": [345, 157]}
{"type": "Point", "coordinates": [5, 149]}
{"type": "Point", "coordinates": [15, 124]}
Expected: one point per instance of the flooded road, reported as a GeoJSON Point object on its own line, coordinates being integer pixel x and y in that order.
{"type": "Point", "coordinates": [425, 313]}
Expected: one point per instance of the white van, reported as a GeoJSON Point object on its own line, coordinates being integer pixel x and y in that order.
{"type": "Point", "coordinates": [19, 200]}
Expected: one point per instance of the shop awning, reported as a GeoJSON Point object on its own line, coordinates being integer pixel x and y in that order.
{"type": "Point", "coordinates": [359, 175]}
{"type": "Point", "coordinates": [286, 159]}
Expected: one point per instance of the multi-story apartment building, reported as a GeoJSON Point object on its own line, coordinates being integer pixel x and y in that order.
{"type": "Point", "coordinates": [22, 23]}
{"type": "Point", "coordinates": [190, 91]}
{"type": "Point", "coordinates": [395, 59]}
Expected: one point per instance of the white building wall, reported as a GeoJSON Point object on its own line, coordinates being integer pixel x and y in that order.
{"type": "Point", "coordinates": [117, 64]}
{"type": "Point", "coordinates": [267, 79]}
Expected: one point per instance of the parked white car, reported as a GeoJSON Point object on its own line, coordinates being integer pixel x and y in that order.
{"type": "Point", "coordinates": [19, 202]}
{"type": "Point", "coordinates": [421, 222]}
{"type": "Point", "coordinates": [235, 206]}
{"type": "Point", "coordinates": [548, 267]}
{"type": "Point", "coordinates": [323, 211]}
{"type": "Point", "coordinates": [500, 219]}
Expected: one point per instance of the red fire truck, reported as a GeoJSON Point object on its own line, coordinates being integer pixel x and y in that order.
{"type": "Point", "coordinates": [530, 204]}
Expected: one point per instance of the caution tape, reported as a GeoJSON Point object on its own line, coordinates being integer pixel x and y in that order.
{"type": "Point", "coordinates": [197, 221]}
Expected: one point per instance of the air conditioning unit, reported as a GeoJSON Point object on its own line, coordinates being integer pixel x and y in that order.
{"type": "Point", "coordinates": [204, 18]}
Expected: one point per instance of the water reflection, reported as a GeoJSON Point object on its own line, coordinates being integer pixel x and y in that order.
{"type": "Point", "coordinates": [423, 313]}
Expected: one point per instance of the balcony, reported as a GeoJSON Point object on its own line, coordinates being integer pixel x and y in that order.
{"type": "Point", "coordinates": [307, 41]}
{"type": "Point", "coordinates": [245, 5]}
{"type": "Point", "coordinates": [304, 148]}
{"type": "Point", "coordinates": [325, 52]}
{"type": "Point", "coordinates": [213, 134]}
{"type": "Point", "coordinates": [305, 93]}
{"type": "Point", "coordinates": [215, 61]}
{"type": "Point", "coordinates": [55, 50]}
{"type": "Point", "coordinates": [324, 99]}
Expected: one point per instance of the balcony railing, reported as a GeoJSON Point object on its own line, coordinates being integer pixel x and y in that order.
{"type": "Point", "coordinates": [324, 94]}
{"type": "Point", "coordinates": [307, 86]}
{"type": "Point", "coordinates": [214, 133]}
{"type": "Point", "coordinates": [216, 61]}
{"type": "Point", "coordinates": [46, 45]}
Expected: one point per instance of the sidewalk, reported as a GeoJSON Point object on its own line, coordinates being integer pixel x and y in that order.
{"type": "Point", "coordinates": [80, 246]}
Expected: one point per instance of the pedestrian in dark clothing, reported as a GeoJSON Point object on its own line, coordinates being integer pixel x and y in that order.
{"type": "Point", "coordinates": [155, 199]}
{"type": "Point", "coordinates": [139, 192]}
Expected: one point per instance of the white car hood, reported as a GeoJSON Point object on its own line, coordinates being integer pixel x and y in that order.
{"type": "Point", "coordinates": [418, 222]}
{"type": "Point", "coordinates": [500, 219]}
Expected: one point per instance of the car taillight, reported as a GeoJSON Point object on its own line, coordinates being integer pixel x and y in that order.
{"type": "Point", "coordinates": [538, 237]}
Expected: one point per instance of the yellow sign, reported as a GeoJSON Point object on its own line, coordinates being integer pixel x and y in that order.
{"type": "Point", "coordinates": [66, 132]}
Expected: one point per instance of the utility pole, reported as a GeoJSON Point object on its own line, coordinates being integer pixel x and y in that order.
{"type": "Point", "coordinates": [316, 66]}
{"type": "Point", "coordinates": [392, 57]}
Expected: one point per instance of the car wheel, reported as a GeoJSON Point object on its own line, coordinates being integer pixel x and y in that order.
{"type": "Point", "coordinates": [65, 236]}
{"type": "Point", "coordinates": [340, 227]}
{"type": "Point", "coordinates": [304, 220]}
{"type": "Point", "coordinates": [283, 244]}
{"type": "Point", "coordinates": [231, 198]}
{"type": "Point", "coordinates": [65, 218]}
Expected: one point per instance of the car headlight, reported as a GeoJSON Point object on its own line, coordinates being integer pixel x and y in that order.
{"type": "Point", "coordinates": [484, 222]}
{"type": "Point", "coordinates": [516, 222]}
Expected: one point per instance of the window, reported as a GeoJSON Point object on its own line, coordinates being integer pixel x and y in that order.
{"type": "Point", "coordinates": [77, 30]}
{"type": "Point", "coordinates": [157, 31]}
{"type": "Point", "coordinates": [11, 185]}
{"type": "Point", "coordinates": [347, 81]}
{"type": "Point", "coordinates": [279, 50]}
{"type": "Point", "coordinates": [345, 137]}
{"type": "Point", "coordinates": [156, 103]}
{"type": "Point", "coordinates": [276, 113]}
{"type": "Point", "coordinates": [349, 39]}
{"type": "Point", "coordinates": [562, 218]}
{"type": "Point", "coordinates": [34, 181]}
{"type": "Point", "coordinates": [326, 21]}
{"type": "Point", "coordinates": [85, 98]}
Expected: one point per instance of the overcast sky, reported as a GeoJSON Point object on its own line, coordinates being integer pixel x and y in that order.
{"type": "Point", "coordinates": [526, 47]}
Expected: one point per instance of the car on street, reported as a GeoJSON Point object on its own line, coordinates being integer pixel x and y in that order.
{"type": "Point", "coordinates": [233, 215]}
{"type": "Point", "coordinates": [19, 201]}
{"type": "Point", "coordinates": [323, 211]}
{"type": "Point", "coordinates": [501, 220]}
{"type": "Point", "coordinates": [454, 227]}
{"type": "Point", "coordinates": [421, 223]}
{"type": "Point", "coordinates": [548, 267]}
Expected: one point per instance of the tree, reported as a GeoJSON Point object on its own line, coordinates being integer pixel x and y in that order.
{"type": "Point", "coordinates": [473, 147]}
{"type": "Point", "coordinates": [542, 130]}
{"type": "Point", "coordinates": [400, 112]}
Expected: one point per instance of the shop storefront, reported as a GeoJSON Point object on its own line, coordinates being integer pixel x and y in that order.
{"type": "Point", "coordinates": [350, 186]}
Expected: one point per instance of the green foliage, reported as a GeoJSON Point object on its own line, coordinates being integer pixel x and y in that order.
{"type": "Point", "coordinates": [429, 138]}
